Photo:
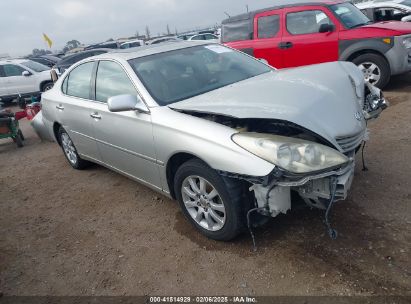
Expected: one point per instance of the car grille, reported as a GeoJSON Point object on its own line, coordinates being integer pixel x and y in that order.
{"type": "Point", "coordinates": [350, 142]}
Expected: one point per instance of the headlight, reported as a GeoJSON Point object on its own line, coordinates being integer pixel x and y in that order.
{"type": "Point", "coordinates": [407, 42]}
{"type": "Point", "coordinates": [291, 154]}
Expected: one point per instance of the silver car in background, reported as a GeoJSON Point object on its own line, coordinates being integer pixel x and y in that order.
{"type": "Point", "coordinates": [223, 133]}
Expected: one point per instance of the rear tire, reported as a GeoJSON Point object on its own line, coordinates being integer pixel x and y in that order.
{"type": "Point", "coordinates": [19, 139]}
{"type": "Point", "coordinates": [224, 210]}
{"type": "Point", "coordinates": [375, 68]}
{"type": "Point", "coordinates": [70, 151]}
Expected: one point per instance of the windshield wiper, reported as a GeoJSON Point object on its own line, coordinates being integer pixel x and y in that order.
{"type": "Point", "coordinates": [361, 24]}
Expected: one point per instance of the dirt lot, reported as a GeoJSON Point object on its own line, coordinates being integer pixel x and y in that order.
{"type": "Point", "coordinates": [94, 232]}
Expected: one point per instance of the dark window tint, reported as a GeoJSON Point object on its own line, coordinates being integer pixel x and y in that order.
{"type": "Point", "coordinates": [1, 71]}
{"type": "Point", "coordinates": [209, 37]}
{"type": "Point", "coordinates": [268, 26]}
{"type": "Point", "coordinates": [79, 81]}
{"type": "Point", "coordinates": [306, 22]}
{"type": "Point", "coordinates": [176, 75]}
{"type": "Point", "coordinates": [12, 70]}
{"type": "Point", "coordinates": [198, 37]}
{"type": "Point", "coordinates": [237, 30]}
{"type": "Point", "coordinates": [112, 81]}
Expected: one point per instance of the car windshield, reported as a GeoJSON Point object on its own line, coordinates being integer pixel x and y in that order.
{"type": "Point", "coordinates": [406, 2]}
{"type": "Point", "coordinates": [350, 15]}
{"type": "Point", "coordinates": [180, 74]}
{"type": "Point", "coordinates": [35, 66]}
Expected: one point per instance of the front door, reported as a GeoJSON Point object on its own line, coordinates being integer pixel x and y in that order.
{"type": "Point", "coordinates": [16, 82]}
{"type": "Point", "coordinates": [267, 37]}
{"type": "Point", "coordinates": [302, 42]}
{"type": "Point", "coordinates": [124, 139]}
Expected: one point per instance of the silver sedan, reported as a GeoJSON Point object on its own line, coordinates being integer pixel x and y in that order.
{"type": "Point", "coordinates": [223, 133]}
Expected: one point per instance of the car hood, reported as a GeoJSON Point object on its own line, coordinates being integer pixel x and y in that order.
{"type": "Point", "coordinates": [398, 26]}
{"type": "Point", "coordinates": [321, 98]}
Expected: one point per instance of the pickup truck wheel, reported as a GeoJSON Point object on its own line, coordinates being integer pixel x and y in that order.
{"type": "Point", "coordinates": [70, 151]}
{"type": "Point", "coordinates": [212, 204]}
{"type": "Point", "coordinates": [47, 86]}
{"type": "Point", "coordinates": [375, 68]}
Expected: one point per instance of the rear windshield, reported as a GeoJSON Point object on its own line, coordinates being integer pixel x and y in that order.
{"type": "Point", "coordinates": [181, 74]}
{"type": "Point", "coordinates": [35, 66]}
{"type": "Point", "coordinates": [237, 31]}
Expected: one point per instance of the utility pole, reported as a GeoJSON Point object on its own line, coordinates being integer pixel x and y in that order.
{"type": "Point", "coordinates": [247, 7]}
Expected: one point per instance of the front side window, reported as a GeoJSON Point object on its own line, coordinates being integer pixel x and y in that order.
{"type": "Point", "coordinates": [2, 71]}
{"type": "Point", "coordinates": [268, 26]}
{"type": "Point", "coordinates": [349, 15]}
{"type": "Point", "coordinates": [180, 74]}
{"type": "Point", "coordinates": [111, 81]}
{"type": "Point", "coordinates": [79, 79]}
{"type": "Point", "coordinates": [306, 22]}
{"type": "Point", "coordinates": [11, 70]}
{"type": "Point", "coordinates": [198, 37]}
{"type": "Point", "coordinates": [35, 66]}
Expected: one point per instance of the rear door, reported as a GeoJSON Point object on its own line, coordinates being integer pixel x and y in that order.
{"type": "Point", "coordinates": [268, 27]}
{"type": "Point", "coordinates": [302, 42]}
{"type": "Point", "coordinates": [16, 82]}
{"type": "Point", "coordinates": [74, 108]}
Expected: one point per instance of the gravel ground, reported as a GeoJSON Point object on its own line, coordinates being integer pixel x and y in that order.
{"type": "Point", "coordinates": [94, 232]}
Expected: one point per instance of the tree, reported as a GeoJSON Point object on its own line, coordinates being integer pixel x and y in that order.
{"type": "Point", "coordinates": [147, 32]}
{"type": "Point", "coordinates": [72, 44]}
{"type": "Point", "coordinates": [40, 52]}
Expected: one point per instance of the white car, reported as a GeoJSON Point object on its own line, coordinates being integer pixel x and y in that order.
{"type": "Point", "coordinates": [131, 44]}
{"type": "Point", "coordinates": [377, 11]}
{"type": "Point", "coordinates": [206, 36]}
{"type": "Point", "coordinates": [23, 78]}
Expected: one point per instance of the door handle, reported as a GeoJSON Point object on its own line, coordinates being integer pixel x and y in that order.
{"type": "Point", "coordinates": [60, 107]}
{"type": "Point", "coordinates": [285, 45]}
{"type": "Point", "coordinates": [95, 115]}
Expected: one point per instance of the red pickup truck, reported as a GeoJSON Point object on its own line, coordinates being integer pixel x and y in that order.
{"type": "Point", "coordinates": [296, 33]}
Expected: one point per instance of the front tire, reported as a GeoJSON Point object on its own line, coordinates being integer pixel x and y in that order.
{"type": "Point", "coordinates": [70, 151]}
{"type": "Point", "coordinates": [47, 86]}
{"type": "Point", "coordinates": [213, 204]}
{"type": "Point", "coordinates": [375, 68]}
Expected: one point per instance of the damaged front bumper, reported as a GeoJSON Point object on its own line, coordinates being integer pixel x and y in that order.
{"type": "Point", "coordinates": [316, 190]}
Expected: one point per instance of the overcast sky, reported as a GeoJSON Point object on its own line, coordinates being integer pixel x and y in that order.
{"type": "Point", "coordinates": [22, 22]}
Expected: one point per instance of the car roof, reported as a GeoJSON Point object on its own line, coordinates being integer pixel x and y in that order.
{"type": "Point", "coordinates": [151, 49]}
{"type": "Point", "coordinates": [18, 61]}
{"type": "Point", "coordinates": [374, 4]}
{"type": "Point", "coordinates": [282, 4]}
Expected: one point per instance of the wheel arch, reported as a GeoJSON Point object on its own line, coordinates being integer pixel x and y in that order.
{"type": "Point", "coordinates": [56, 128]}
{"type": "Point", "coordinates": [43, 83]}
{"type": "Point", "coordinates": [172, 165]}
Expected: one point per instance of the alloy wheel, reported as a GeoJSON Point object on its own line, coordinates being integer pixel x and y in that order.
{"type": "Point", "coordinates": [203, 203]}
{"type": "Point", "coordinates": [371, 71]}
{"type": "Point", "coordinates": [68, 148]}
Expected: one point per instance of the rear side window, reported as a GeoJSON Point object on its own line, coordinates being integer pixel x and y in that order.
{"type": "Point", "coordinates": [12, 70]}
{"type": "Point", "coordinates": [306, 22]}
{"type": "Point", "coordinates": [111, 81]}
{"type": "Point", "coordinates": [237, 30]}
{"type": "Point", "coordinates": [79, 81]}
{"type": "Point", "coordinates": [2, 71]}
{"type": "Point", "coordinates": [268, 26]}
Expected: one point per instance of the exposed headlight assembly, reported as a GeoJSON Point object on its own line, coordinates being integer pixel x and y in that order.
{"type": "Point", "coordinates": [407, 42]}
{"type": "Point", "coordinates": [291, 154]}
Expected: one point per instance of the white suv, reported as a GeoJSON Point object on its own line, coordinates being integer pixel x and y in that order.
{"type": "Point", "coordinates": [23, 78]}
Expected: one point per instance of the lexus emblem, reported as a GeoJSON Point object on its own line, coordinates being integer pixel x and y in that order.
{"type": "Point", "coordinates": [358, 116]}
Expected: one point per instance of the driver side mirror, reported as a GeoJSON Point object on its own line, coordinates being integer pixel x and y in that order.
{"type": "Point", "coordinates": [26, 73]}
{"type": "Point", "coordinates": [325, 28]}
{"type": "Point", "coordinates": [122, 103]}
